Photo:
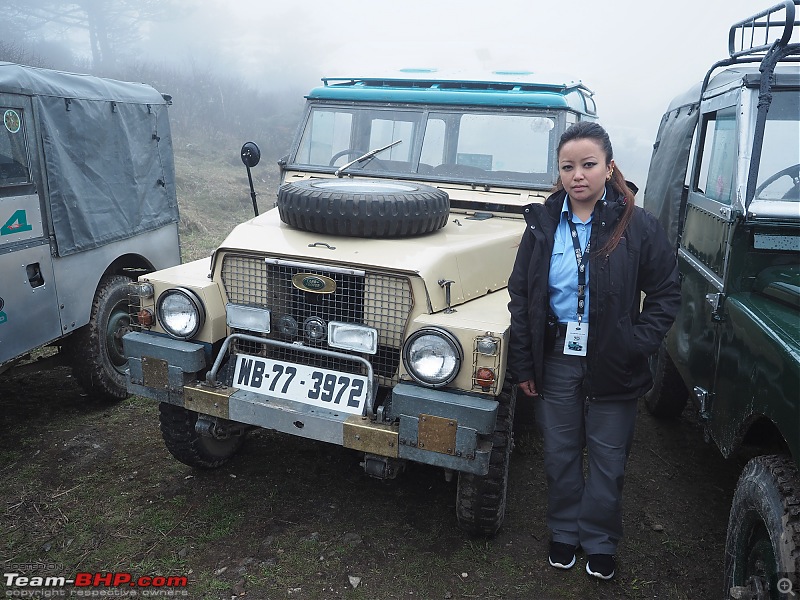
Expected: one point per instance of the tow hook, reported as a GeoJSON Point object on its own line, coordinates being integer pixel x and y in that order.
{"type": "Point", "coordinates": [214, 429]}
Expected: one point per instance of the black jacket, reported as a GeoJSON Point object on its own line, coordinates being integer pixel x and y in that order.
{"type": "Point", "coordinates": [621, 336]}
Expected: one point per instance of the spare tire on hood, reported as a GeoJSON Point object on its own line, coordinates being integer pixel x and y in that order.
{"type": "Point", "coordinates": [368, 208]}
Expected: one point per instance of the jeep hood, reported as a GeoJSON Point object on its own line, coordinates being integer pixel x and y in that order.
{"type": "Point", "coordinates": [476, 255]}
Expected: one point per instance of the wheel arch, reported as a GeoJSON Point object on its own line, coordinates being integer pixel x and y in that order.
{"type": "Point", "coordinates": [762, 433]}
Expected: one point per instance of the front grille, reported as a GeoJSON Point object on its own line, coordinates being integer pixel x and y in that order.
{"type": "Point", "coordinates": [374, 299]}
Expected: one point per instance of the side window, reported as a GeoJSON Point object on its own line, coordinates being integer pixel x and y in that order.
{"type": "Point", "coordinates": [716, 178]}
{"type": "Point", "coordinates": [14, 169]}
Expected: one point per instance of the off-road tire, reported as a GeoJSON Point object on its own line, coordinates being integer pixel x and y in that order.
{"type": "Point", "coordinates": [481, 499]}
{"type": "Point", "coordinates": [95, 350]}
{"type": "Point", "coordinates": [667, 398]}
{"type": "Point", "coordinates": [363, 208]}
{"type": "Point", "coordinates": [763, 542]}
{"type": "Point", "coordinates": [188, 446]}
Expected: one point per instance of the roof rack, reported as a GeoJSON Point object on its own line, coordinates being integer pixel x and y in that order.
{"type": "Point", "coordinates": [751, 47]}
{"type": "Point", "coordinates": [751, 29]}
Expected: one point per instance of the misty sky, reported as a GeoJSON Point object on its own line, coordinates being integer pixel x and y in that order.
{"type": "Point", "coordinates": [635, 54]}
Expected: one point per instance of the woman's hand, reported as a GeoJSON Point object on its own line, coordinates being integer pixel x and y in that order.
{"type": "Point", "coordinates": [528, 388]}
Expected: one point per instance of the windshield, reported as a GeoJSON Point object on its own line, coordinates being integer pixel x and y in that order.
{"type": "Point", "coordinates": [779, 169]}
{"type": "Point", "coordinates": [472, 147]}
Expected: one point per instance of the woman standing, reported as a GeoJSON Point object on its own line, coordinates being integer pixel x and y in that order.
{"type": "Point", "coordinates": [581, 336]}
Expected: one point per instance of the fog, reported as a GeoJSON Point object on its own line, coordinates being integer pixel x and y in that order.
{"type": "Point", "coordinates": [636, 56]}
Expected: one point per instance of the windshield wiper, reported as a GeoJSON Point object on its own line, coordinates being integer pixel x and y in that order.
{"type": "Point", "coordinates": [364, 157]}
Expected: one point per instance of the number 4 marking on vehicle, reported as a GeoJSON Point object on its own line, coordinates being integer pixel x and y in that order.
{"type": "Point", "coordinates": [16, 224]}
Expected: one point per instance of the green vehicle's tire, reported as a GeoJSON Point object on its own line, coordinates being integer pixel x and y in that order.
{"type": "Point", "coordinates": [763, 541]}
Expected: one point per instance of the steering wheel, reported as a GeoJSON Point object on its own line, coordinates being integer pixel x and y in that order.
{"type": "Point", "coordinates": [355, 154]}
{"type": "Point", "coordinates": [793, 172]}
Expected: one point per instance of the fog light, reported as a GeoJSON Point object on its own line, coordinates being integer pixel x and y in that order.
{"type": "Point", "coordinates": [349, 336]}
{"type": "Point", "coordinates": [247, 318]}
{"type": "Point", "coordinates": [484, 377]}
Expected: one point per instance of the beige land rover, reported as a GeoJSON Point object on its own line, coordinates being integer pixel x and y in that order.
{"type": "Point", "coordinates": [367, 309]}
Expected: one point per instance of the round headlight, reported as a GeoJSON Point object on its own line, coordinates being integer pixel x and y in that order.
{"type": "Point", "coordinates": [180, 313]}
{"type": "Point", "coordinates": [432, 356]}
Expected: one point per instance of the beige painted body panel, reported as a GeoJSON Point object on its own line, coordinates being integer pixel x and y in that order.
{"type": "Point", "coordinates": [476, 255]}
{"type": "Point", "coordinates": [194, 276]}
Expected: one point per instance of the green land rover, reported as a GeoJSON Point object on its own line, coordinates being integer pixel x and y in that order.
{"type": "Point", "coordinates": [725, 183]}
{"type": "Point", "coordinates": [368, 308]}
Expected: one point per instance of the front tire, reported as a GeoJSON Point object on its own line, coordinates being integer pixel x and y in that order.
{"type": "Point", "coordinates": [481, 499]}
{"type": "Point", "coordinates": [179, 430]}
{"type": "Point", "coordinates": [763, 542]}
{"type": "Point", "coordinates": [96, 354]}
{"type": "Point", "coordinates": [667, 398]}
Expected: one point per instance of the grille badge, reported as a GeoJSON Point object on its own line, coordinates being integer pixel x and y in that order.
{"type": "Point", "coordinates": [316, 284]}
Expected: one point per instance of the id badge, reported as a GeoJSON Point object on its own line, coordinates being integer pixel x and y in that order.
{"type": "Point", "coordinates": [576, 338]}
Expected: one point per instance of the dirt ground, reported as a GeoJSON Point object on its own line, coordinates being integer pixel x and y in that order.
{"type": "Point", "coordinates": [88, 487]}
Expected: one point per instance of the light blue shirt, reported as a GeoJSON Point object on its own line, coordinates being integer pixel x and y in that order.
{"type": "Point", "coordinates": [563, 279]}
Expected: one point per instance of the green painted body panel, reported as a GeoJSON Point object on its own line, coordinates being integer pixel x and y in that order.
{"type": "Point", "coordinates": [747, 356]}
{"type": "Point", "coordinates": [758, 370]}
{"type": "Point", "coordinates": [705, 235]}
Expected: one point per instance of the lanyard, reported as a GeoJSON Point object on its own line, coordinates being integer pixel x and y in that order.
{"type": "Point", "coordinates": [581, 258]}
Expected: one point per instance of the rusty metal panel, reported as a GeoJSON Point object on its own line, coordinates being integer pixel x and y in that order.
{"type": "Point", "coordinates": [374, 438]}
{"type": "Point", "coordinates": [155, 372]}
{"type": "Point", "coordinates": [207, 400]}
{"type": "Point", "coordinates": [437, 434]}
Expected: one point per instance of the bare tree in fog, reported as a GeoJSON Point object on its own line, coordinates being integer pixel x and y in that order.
{"type": "Point", "coordinates": [112, 25]}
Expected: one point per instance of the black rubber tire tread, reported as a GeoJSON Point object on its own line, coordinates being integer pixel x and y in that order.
{"type": "Point", "coordinates": [363, 214]}
{"type": "Point", "coordinates": [481, 499]}
{"type": "Point", "coordinates": [88, 346]}
{"type": "Point", "coordinates": [766, 501]}
{"type": "Point", "coordinates": [188, 446]}
{"type": "Point", "coordinates": [667, 398]}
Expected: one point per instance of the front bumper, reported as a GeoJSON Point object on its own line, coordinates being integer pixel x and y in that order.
{"type": "Point", "coordinates": [443, 428]}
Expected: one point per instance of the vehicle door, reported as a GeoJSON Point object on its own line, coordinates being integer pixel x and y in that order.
{"type": "Point", "coordinates": [705, 241]}
{"type": "Point", "coordinates": [29, 315]}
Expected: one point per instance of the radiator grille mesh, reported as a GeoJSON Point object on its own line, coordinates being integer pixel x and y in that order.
{"type": "Point", "coordinates": [375, 299]}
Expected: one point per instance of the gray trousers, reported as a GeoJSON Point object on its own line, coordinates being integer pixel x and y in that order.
{"type": "Point", "coordinates": [585, 512]}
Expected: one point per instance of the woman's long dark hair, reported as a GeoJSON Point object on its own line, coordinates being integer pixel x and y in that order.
{"type": "Point", "coordinates": [592, 131]}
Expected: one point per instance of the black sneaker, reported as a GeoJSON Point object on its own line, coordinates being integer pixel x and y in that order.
{"type": "Point", "coordinates": [562, 556]}
{"type": "Point", "coordinates": [601, 565]}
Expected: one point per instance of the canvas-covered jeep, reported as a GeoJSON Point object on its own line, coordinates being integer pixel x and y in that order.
{"type": "Point", "coordinates": [87, 203]}
{"type": "Point", "coordinates": [368, 309]}
{"type": "Point", "coordinates": [725, 182]}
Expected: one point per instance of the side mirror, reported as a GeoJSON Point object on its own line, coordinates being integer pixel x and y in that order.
{"type": "Point", "coordinates": [251, 154]}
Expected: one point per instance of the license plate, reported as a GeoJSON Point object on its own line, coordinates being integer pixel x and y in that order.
{"type": "Point", "coordinates": [318, 387]}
